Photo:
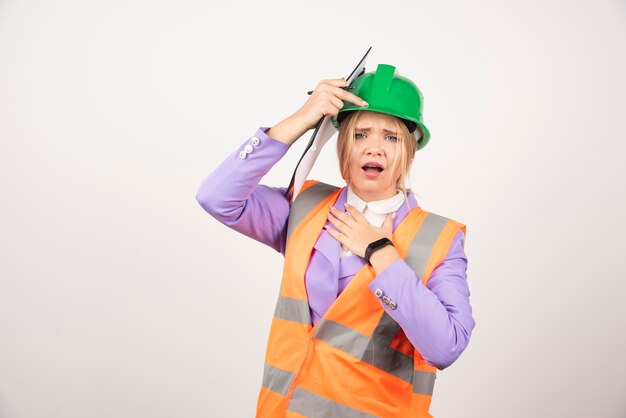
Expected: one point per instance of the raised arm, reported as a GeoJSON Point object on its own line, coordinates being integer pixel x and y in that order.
{"type": "Point", "coordinates": [232, 194]}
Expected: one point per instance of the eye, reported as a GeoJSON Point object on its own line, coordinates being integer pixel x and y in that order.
{"type": "Point", "coordinates": [359, 135]}
{"type": "Point", "coordinates": [391, 138]}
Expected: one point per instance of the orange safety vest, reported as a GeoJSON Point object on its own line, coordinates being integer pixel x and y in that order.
{"type": "Point", "coordinates": [356, 361]}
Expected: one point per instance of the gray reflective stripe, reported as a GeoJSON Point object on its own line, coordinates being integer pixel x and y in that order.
{"type": "Point", "coordinates": [314, 406]}
{"type": "Point", "coordinates": [423, 242]}
{"type": "Point", "coordinates": [391, 361]}
{"type": "Point", "coordinates": [379, 353]}
{"type": "Point", "coordinates": [293, 310]}
{"type": "Point", "coordinates": [305, 202]}
{"type": "Point", "coordinates": [342, 337]}
{"type": "Point", "coordinates": [386, 329]}
{"type": "Point", "coordinates": [277, 380]}
{"type": "Point", "coordinates": [423, 382]}
{"type": "Point", "coordinates": [374, 351]}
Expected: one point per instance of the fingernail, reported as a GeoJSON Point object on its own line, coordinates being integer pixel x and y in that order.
{"type": "Point", "coordinates": [365, 103]}
{"type": "Point", "coordinates": [333, 208]}
{"type": "Point", "coordinates": [393, 215]}
{"type": "Point", "coordinates": [346, 205]}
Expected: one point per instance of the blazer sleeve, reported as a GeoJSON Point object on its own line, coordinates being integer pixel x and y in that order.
{"type": "Point", "coordinates": [436, 317]}
{"type": "Point", "coordinates": [233, 196]}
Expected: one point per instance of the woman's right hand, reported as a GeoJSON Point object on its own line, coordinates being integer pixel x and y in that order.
{"type": "Point", "coordinates": [326, 100]}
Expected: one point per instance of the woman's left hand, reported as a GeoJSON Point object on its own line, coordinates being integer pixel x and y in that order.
{"type": "Point", "coordinates": [354, 231]}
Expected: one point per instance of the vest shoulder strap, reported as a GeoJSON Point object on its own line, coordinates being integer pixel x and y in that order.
{"type": "Point", "coordinates": [312, 194]}
{"type": "Point", "coordinates": [431, 244]}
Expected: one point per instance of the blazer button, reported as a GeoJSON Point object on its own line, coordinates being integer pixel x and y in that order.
{"type": "Point", "coordinates": [243, 155]}
{"type": "Point", "coordinates": [255, 141]}
{"type": "Point", "coordinates": [392, 305]}
{"type": "Point", "coordinates": [378, 293]}
{"type": "Point", "coordinates": [248, 148]}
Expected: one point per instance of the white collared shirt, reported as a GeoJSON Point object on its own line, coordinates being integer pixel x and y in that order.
{"type": "Point", "coordinates": [375, 211]}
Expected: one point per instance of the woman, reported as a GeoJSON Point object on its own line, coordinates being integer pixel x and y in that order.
{"type": "Point", "coordinates": [374, 296]}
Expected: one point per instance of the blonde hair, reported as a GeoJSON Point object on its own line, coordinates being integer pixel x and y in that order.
{"type": "Point", "coordinates": [345, 142]}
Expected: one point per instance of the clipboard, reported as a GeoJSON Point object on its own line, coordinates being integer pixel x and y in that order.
{"type": "Point", "coordinates": [324, 130]}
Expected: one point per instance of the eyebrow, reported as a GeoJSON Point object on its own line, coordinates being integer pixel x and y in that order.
{"type": "Point", "coordinates": [387, 131]}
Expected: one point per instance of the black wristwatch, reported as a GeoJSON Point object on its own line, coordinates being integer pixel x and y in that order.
{"type": "Point", "coordinates": [375, 246]}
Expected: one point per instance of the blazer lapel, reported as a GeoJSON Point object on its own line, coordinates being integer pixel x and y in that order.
{"type": "Point", "coordinates": [403, 210]}
{"type": "Point", "coordinates": [328, 246]}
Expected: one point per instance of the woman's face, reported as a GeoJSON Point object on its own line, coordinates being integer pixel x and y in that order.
{"type": "Point", "coordinates": [374, 161]}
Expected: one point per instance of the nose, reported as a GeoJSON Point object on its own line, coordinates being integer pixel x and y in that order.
{"type": "Point", "coordinates": [374, 146]}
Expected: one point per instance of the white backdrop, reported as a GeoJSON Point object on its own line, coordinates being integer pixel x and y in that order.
{"type": "Point", "coordinates": [120, 297]}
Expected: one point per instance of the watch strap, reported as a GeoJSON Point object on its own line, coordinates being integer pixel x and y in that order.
{"type": "Point", "coordinates": [375, 246]}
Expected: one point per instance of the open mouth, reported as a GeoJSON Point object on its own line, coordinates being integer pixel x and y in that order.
{"type": "Point", "coordinates": [372, 169]}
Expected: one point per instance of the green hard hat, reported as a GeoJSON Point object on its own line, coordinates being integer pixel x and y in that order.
{"type": "Point", "coordinates": [387, 92]}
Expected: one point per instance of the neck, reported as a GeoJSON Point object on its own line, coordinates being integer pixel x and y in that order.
{"type": "Point", "coordinates": [373, 197]}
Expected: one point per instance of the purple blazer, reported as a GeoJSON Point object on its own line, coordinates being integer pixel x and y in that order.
{"type": "Point", "coordinates": [436, 317]}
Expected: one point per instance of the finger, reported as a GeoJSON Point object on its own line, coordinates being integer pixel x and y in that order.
{"type": "Point", "coordinates": [327, 104]}
{"type": "Point", "coordinates": [343, 217]}
{"type": "Point", "coordinates": [336, 234]}
{"type": "Point", "coordinates": [330, 110]}
{"type": "Point", "coordinates": [338, 224]}
{"type": "Point", "coordinates": [349, 97]}
{"type": "Point", "coordinates": [328, 86]}
{"type": "Point", "coordinates": [337, 82]}
{"type": "Point", "coordinates": [332, 104]}
{"type": "Point", "coordinates": [355, 213]}
{"type": "Point", "coordinates": [337, 102]}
